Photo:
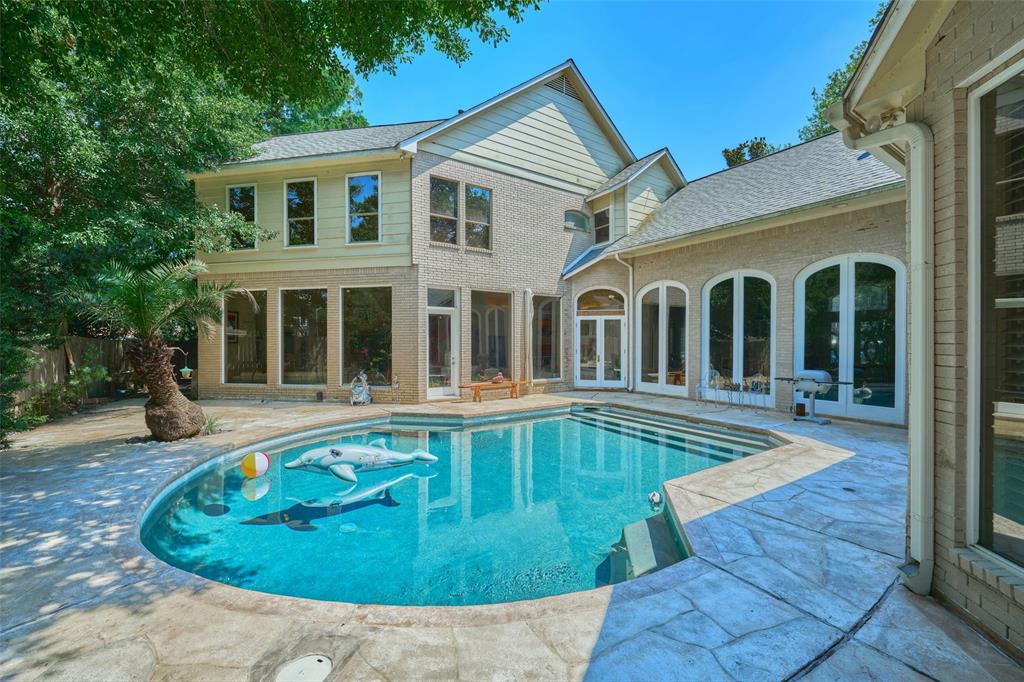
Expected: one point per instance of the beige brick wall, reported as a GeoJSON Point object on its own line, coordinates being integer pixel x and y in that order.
{"type": "Point", "coordinates": [530, 248]}
{"type": "Point", "coordinates": [781, 252]}
{"type": "Point", "coordinates": [972, 35]}
{"type": "Point", "coordinates": [402, 281]}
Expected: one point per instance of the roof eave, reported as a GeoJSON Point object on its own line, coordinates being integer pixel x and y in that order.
{"type": "Point", "coordinates": [663, 154]}
{"type": "Point", "coordinates": [236, 167]}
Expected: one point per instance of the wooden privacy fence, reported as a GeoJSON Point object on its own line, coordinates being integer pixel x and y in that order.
{"type": "Point", "coordinates": [52, 368]}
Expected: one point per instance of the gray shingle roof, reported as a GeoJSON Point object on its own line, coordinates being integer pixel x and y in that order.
{"type": "Point", "coordinates": [336, 141]}
{"type": "Point", "coordinates": [621, 176]}
{"type": "Point", "coordinates": [801, 176]}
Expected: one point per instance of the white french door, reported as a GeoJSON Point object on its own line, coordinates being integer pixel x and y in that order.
{"type": "Point", "coordinates": [601, 351]}
{"type": "Point", "coordinates": [442, 352]}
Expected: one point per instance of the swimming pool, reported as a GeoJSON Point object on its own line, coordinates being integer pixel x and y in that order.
{"type": "Point", "coordinates": [514, 508]}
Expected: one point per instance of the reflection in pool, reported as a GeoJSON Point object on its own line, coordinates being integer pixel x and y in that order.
{"type": "Point", "coordinates": [511, 510]}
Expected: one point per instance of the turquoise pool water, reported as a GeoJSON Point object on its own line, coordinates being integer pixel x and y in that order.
{"type": "Point", "coordinates": [511, 510]}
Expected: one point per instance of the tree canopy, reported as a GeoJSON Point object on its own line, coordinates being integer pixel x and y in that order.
{"type": "Point", "coordinates": [754, 148]}
{"type": "Point", "coordinates": [107, 106]}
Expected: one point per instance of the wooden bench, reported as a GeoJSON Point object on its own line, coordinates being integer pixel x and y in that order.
{"type": "Point", "coordinates": [479, 386]}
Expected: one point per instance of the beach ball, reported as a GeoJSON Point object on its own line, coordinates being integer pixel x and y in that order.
{"type": "Point", "coordinates": [255, 488]}
{"type": "Point", "coordinates": [255, 464]}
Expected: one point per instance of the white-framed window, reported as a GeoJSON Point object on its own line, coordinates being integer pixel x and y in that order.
{"type": "Point", "coordinates": [300, 212]}
{"type": "Point", "coordinates": [661, 319]}
{"type": "Point", "coordinates": [576, 220]}
{"type": "Point", "coordinates": [444, 210]}
{"type": "Point", "coordinates": [362, 207]}
{"type": "Point", "coordinates": [995, 504]}
{"type": "Point", "coordinates": [738, 335]}
{"type": "Point", "coordinates": [850, 321]}
{"type": "Point", "coordinates": [303, 329]}
{"type": "Point", "coordinates": [547, 338]}
{"type": "Point", "coordinates": [241, 199]}
{"type": "Point", "coordinates": [478, 217]}
{"type": "Point", "coordinates": [244, 347]}
{"type": "Point", "coordinates": [366, 334]}
{"type": "Point", "coordinates": [602, 225]}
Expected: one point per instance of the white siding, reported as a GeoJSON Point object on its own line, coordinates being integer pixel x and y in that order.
{"type": "Point", "coordinates": [539, 134]}
{"type": "Point", "coordinates": [648, 192]}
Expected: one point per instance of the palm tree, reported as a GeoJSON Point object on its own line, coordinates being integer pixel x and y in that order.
{"type": "Point", "coordinates": [141, 305]}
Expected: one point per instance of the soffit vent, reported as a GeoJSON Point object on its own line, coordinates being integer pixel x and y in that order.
{"type": "Point", "coordinates": [563, 86]}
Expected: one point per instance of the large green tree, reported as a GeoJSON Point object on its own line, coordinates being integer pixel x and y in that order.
{"type": "Point", "coordinates": [108, 105]}
{"type": "Point", "coordinates": [754, 148]}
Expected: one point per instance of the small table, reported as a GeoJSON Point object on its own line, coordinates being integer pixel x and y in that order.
{"type": "Point", "coordinates": [479, 386]}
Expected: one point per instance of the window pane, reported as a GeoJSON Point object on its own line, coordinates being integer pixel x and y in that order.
{"type": "Point", "coordinates": [576, 220]}
{"type": "Point", "coordinates": [245, 338]}
{"type": "Point", "coordinates": [1002, 320]}
{"type": "Point", "coordinates": [439, 350]}
{"type": "Point", "coordinates": [612, 350]}
{"type": "Point", "coordinates": [301, 232]}
{"type": "Point", "coordinates": [757, 328]}
{"type": "Point", "coordinates": [547, 324]}
{"type": "Point", "coordinates": [478, 235]}
{"type": "Point", "coordinates": [821, 325]}
{"type": "Point", "coordinates": [363, 194]}
{"type": "Point", "coordinates": [300, 199]}
{"type": "Point", "coordinates": [650, 320]}
{"type": "Point", "coordinates": [444, 197]}
{"type": "Point", "coordinates": [490, 335]}
{"type": "Point", "coordinates": [444, 230]}
{"type": "Point", "coordinates": [720, 330]}
{"type": "Point", "coordinates": [675, 365]}
{"type": "Point", "coordinates": [478, 204]}
{"type": "Point", "coordinates": [363, 228]}
{"type": "Point", "coordinates": [874, 335]}
{"type": "Point", "coordinates": [366, 334]}
{"type": "Point", "coordinates": [304, 336]}
{"type": "Point", "coordinates": [243, 200]}
{"type": "Point", "coordinates": [441, 298]}
{"type": "Point", "coordinates": [601, 301]}
{"type": "Point", "coordinates": [601, 227]}
{"type": "Point", "coordinates": [588, 350]}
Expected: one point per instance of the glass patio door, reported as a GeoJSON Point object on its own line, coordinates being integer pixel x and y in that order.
{"type": "Point", "coordinates": [442, 354]}
{"type": "Point", "coordinates": [601, 351]}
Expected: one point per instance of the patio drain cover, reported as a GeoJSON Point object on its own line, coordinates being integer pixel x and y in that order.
{"type": "Point", "coordinates": [312, 668]}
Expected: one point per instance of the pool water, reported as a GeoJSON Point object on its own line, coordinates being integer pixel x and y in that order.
{"type": "Point", "coordinates": [511, 510]}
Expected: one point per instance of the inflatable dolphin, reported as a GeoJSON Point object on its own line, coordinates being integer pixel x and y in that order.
{"type": "Point", "coordinates": [343, 461]}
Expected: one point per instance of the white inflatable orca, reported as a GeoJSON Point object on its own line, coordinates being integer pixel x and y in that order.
{"type": "Point", "coordinates": [343, 461]}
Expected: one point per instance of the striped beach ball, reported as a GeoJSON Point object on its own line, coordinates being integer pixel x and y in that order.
{"type": "Point", "coordinates": [255, 464]}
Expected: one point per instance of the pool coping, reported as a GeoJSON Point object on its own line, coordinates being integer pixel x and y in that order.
{"type": "Point", "coordinates": [134, 555]}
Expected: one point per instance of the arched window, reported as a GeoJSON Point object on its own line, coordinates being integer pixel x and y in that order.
{"type": "Point", "coordinates": [661, 337]}
{"type": "Point", "coordinates": [577, 220]}
{"type": "Point", "coordinates": [600, 302]}
{"type": "Point", "coordinates": [850, 322]}
{"type": "Point", "coordinates": [738, 335]}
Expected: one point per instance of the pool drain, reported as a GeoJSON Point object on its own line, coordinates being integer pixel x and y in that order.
{"type": "Point", "coordinates": [312, 668]}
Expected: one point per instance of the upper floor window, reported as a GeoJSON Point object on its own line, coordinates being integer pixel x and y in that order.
{"type": "Point", "coordinates": [300, 212]}
{"type": "Point", "coordinates": [478, 217]}
{"type": "Point", "coordinates": [444, 211]}
{"type": "Point", "coordinates": [242, 200]}
{"type": "Point", "coordinates": [577, 220]}
{"type": "Point", "coordinates": [602, 231]}
{"type": "Point", "coordinates": [363, 207]}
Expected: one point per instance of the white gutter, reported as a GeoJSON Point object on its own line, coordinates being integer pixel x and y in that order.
{"type": "Point", "coordinates": [917, 572]}
{"type": "Point", "coordinates": [629, 327]}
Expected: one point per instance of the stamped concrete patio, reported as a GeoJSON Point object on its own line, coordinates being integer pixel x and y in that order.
{"type": "Point", "coordinates": [794, 572]}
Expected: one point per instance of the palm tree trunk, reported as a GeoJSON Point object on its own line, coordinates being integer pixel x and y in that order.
{"type": "Point", "coordinates": [169, 414]}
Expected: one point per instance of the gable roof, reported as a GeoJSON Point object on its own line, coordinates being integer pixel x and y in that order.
{"type": "Point", "coordinates": [330, 142]}
{"type": "Point", "coordinates": [566, 68]}
{"type": "Point", "coordinates": [633, 170]}
{"type": "Point", "coordinates": [820, 171]}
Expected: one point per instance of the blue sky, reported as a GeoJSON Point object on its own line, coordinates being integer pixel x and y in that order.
{"type": "Point", "coordinates": [696, 77]}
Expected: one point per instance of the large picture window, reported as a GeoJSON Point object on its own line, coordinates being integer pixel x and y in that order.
{"type": "Point", "coordinates": [245, 338]}
{"type": "Point", "coordinates": [304, 336]}
{"type": "Point", "coordinates": [492, 317]}
{"type": "Point", "coordinates": [1001, 333]}
{"type": "Point", "coordinates": [242, 200]}
{"type": "Point", "coordinates": [444, 211]}
{"type": "Point", "coordinates": [363, 207]}
{"type": "Point", "coordinates": [661, 337]}
{"type": "Point", "coordinates": [547, 337]}
{"type": "Point", "coordinates": [737, 335]}
{"type": "Point", "coordinates": [366, 334]}
{"type": "Point", "coordinates": [300, 212]}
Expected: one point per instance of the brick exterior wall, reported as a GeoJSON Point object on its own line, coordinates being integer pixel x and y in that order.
{"type": "Point", "coordinates": [972, 36]}
{"type": "Point", "coordinates": [529, 249]}
{"type": "Point", "coordinates": [781, 252]}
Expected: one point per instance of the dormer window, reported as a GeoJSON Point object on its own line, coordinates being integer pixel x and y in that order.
{"type": "Point", "coordinates": [577, 220]}
{"type": "Point", "coordinates": [602, 227]}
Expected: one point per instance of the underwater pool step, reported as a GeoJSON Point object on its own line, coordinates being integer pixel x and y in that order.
{"type": "Point", "coordinates": [694, 441]}
{"type": "Point", "coordinates": [740, 439]}
{"type": "Point", "coordinates": [645, 546]}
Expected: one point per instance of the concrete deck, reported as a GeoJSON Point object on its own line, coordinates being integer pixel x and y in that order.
{"type": "Point", "coordinates": [794, 572]}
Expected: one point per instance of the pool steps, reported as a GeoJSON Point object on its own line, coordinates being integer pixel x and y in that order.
{"type": "Point", "coordinates": [646, 546]}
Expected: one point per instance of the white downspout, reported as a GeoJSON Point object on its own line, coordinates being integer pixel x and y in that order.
{"type": "Point", "coordinates": [917, 572]}
{"type": "Point", "coordinates": [629, 327]}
